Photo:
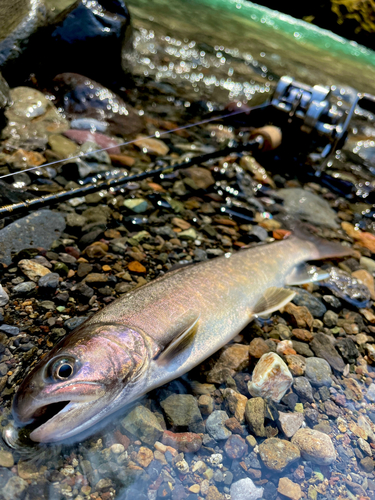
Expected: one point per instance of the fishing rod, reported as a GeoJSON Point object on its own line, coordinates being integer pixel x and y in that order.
{"type": "Point", "coordinates": [312, 121]}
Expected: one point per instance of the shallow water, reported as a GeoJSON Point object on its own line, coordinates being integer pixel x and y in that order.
{"type": "Point", "coordinates": [212, 52]}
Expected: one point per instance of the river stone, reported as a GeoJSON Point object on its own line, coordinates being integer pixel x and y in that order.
{"type": "Point", "coordinates": [318, 372]}
{"type": "Point", "coordinates": [215, 425]}
{"type": "Point", "coordinates": [289, 423]}
{"type": "Point", "coordinates": [315, 446]}
{"type": "Point", "coordinates": [236, 403]}
{"type": "Point", "coordinates": [371, 392]}
{"type": "Point", "coordinates": [302, 387]}
{"type": "Point", "coordinates": [38, 229]}
{"type": "Point", "coordinates": [271, 378]}
{"type": "Point", "coordinates": [24, 288]}
{"type": "Point", "coordinates": [245, 489]}
{"type": "Point", "coordinates": [276, 454]}
{"type": "Point", "coordinates": [232, 359]}
{"type": "Point", "coordinates": [255, 414]}
{"type": "Point", "coordinates": [308, 206]}
{"type": "Point", "coordinates": [50, 280]}
{"type": "Point", "coordinates": [186, 442]}
{"type": "Point", "coordinates": [32, 269]}
{"type": "Point", "coordinates": [14, 489]}
{"type": "Point", "coordinates": [314, 305]}
{"type": "Point", "coordinates": [235, 447]}
{"type": "Point", "coordinates": [182, 410]}
{"type": "Point", "coordinates": [322, 345]}
{"type": "Point", "coordinates": [4, 297]}
{"type": "Point", "coordinates": [289, 489]}
{"type": "Point", "coordinates": [6, 459]}
{"type": "Point", "coordinates": [143, 423]}
{"type": "Point", "coordinates": [49, 36]}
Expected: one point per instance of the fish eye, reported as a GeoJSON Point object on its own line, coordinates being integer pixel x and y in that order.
{"type": "Point", "coordinates": [62, 369]}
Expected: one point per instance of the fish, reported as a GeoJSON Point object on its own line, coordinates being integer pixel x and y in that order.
{"type": "Point", "coordinates": [157, 333]}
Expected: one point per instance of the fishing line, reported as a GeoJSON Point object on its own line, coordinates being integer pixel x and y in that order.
{"type": "Point", "coordinates": [126, 143]}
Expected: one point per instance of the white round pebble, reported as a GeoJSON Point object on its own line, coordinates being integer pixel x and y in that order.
{"type": "Point", "coordinates": [245, 489]}
{"type": "Point", "coordinates": [117, 448]}
{"type": "Point", "coordinates": [216, 458]}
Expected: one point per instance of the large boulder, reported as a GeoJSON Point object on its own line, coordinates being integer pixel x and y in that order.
{"type": "Point", "coordinates": [46, 37]}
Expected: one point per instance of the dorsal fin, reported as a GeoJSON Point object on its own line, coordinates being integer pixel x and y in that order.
{"type": "Point", "coordinates": [272, 300]}
{"type": "Point", "coordinates": [180, 342]}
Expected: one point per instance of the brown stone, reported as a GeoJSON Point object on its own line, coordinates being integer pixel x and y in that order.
{"type": "Point", "coordinates": [136, 267]}
{"type": "Point", "coordinates": [233, 425]}
{"type": "Point", "coordinates": [144, 456]}
{"type": "Point", "coordinates": [232, 359]}
{"type": "Point", "coordinates": [214, 494]}
{"type": "Point", "coordinates": [258, 347]}
{"type": "Point", "coordinates": [296, 364]}
{"type": "Point", "coordinates": [367, 279]}
{"type": "Point", "coordinates": [300, 316]}
{"type": "Point", "coordinates": [202, 177]}
{"type": "Point", "coordinates": [276, 454]}
{"type": "Point", "coordinates": [122, 160]}
{"type": "Point", "coordinates": [352, 385]}
{"type": "Point", "coordinates": [236, 404]}
{"type": "Point", "coordinates": [302, 334]}
{"type": "Point", "coordinates": [289, 489]}
{"type": "Point", "coordinates": [187, 442]}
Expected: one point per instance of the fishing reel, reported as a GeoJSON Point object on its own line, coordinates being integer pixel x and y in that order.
{"type": "Point", "coordinates": [315, 120]}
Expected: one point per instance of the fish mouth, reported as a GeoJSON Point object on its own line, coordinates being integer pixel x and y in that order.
{"type": "Point", "coordinates": [51, 425]}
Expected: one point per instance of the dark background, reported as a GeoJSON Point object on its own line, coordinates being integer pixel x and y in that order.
{"type": "Point", "coordinates": [355, 20]}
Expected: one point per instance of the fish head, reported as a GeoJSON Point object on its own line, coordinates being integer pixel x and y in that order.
{"type": "Point", "coordinates": [77, 383]}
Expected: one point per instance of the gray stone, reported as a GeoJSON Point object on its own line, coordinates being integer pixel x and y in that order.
{"type": "Point", "coordinates": [50, 280]}
{"type": "Point", "coordinates": [289, 423]}
{"type": "Point", "coordinates": [245, 489]}
{"type": "Point", "coordinates": [314, 305]}
{"type": "Point", "coordinates": [75, 322]}
{"type": "Point", "coordinates": [308, 206]}
{"type": "Point", "coordinates": [24, 288]}
{"type": "Point", "coordinates": [322, 345]}
{"type": "Point", "coordinates": [38, 229]}
{"type": "Point", "coordinates": [302, 387]}
{"type": "Point", "coordinates": [215, 425]}
{"type": "Point", "coordinates": [318, 372]}
{"type": "Point", "coordinates": [4, 297]}
{"type": "Point", "coordinates": [302, 349]}
{"type": "Point", "coordinates": [14, 489]}
{"type": "Point", "coordinates": [371, 392]}
{"type": "Point", "coordinates": [182, 411]}
{"type": "Point", "coordinates": [9, 329]}
{"type": "Point", "coordinates": [330, 319]}
{"type": "Point", "coordinates": [143, 423]}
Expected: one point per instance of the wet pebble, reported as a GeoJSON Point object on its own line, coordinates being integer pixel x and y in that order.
{"type": "Point", "coordinates": [290, 423]}
{"type": "Point", "coordinates": [255, 414]}
{"type": "Point", "coordinates": [50, 280]}
{"type": "Point", "coordinates": [10, 330]}
{"type": "Point", "coordinates": [182, 411]}
{"type": "Point", "coordinates": [235, 447]}
{"type": "Point", "coordinates": [143, 424]}
{"type": "Point", "coordinates": [24, 288]}
{"type": "Point", "coordinates": [314, 305]}
{"type": "Point", "coordinates": [215, 425]}
{"type": "Point", "coordinates": [4, 297]}
{"type": "Point", "coordinates": [271, 378]}
{"type": "Point", "coordinates": [302, 387]}
{"type": "Point", "coordinates": [276, 454]}
{"type": "Point", "coordinates": [187, 442]}
{"type": "Point", "coordinates": [245, 489]}
{"type": "Point", "coordinates": [289, 489]}
{"type": "Point", "coordinates": [315, 446]}
{"type": "Point", "coordinates": [32, 269]}
{"type": "Point", "coordinates": [318, 372]}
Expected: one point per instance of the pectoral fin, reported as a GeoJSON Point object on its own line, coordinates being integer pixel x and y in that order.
{"type": "Point", "coordinates": [180, 342]}
{"type": "Point", "coordinates": [306, 274]}
{"type": "Point", "coordinates": [273, 299]}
